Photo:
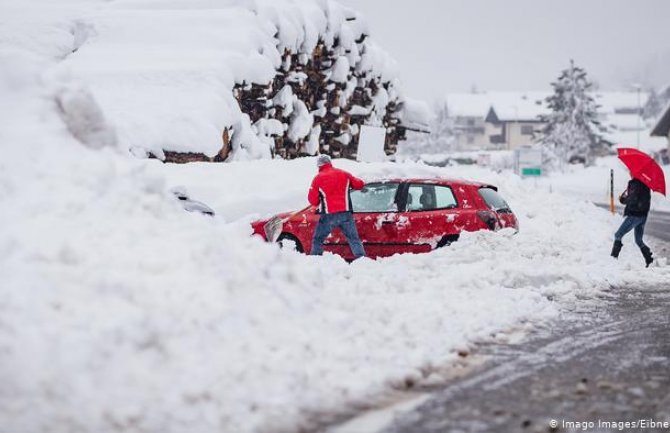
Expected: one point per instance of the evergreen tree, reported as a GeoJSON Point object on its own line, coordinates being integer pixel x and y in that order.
{"type": "Point", "coordinates": [572, 131]}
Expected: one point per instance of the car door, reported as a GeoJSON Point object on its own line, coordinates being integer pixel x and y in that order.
{"type": "Point", "coordinates": [375, 211]}
{"type": "Point", "coordinates": [432, 214]}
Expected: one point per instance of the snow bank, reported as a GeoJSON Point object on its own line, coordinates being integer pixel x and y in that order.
{"type": "Point", "coordinates": [126, 55]}
{"type": "Point", "coordinates": [593, 183]}
{"type": "Point", "coordinates": [121, 312]}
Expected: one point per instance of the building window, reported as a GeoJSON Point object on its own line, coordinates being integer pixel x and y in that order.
{"type": "Point", "coordinates": [527, 130]}
{"type": "Point", "coordinates": [471, 139]}
{"type": "Point", "coordinates": [496, 139]}
{"type": "Point", "coordinates": [471, 122]}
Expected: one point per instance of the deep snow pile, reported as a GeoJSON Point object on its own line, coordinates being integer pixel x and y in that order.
{"type": "Point", "coordinates": [161, 73]}
{"type": "Point", "coordinates": [120, 312]}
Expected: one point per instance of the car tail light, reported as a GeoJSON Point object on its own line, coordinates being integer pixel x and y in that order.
{"type": "Point", "coordinates": [489, 218]}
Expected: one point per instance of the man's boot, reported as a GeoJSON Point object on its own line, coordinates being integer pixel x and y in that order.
{"type": "Point", "coordinates": [646, 252]}
{"type": "Point", "coordinates": [616, 249]}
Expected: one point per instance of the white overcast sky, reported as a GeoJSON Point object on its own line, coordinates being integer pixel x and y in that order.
{"type": "Point", "coordinates": [452, 45]}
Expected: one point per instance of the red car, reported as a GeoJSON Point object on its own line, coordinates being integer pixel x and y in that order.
{"type": "Point", "coordinates": [406, 216]}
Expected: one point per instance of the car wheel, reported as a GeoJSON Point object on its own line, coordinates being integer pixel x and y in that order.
{"type": "Point", "coordinates": [447, 240]}
{"type": "Point", "coordinates": [289, 242]}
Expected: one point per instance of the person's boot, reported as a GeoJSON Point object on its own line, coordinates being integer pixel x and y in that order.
{"type": "Point", "coordinates": [616, 249]}
{"type": "Point", "coordinates": [648, 255]}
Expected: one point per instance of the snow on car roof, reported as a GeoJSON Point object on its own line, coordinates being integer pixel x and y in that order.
{"type": "Point", "coordinates": [435, 180]}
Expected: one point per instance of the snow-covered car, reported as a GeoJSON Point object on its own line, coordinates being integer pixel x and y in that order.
{"type": "Point", "coordinates": [405, 216]}
{"type": "Point", "coordinates": [191, 205]}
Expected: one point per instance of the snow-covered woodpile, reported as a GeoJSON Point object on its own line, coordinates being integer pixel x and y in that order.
{"type": "Point", "coordinates": [319, 98]}
{"type": "Point", "coordinates": [231, 80]}
{"type": "Point", "coordinates": [317, 101]}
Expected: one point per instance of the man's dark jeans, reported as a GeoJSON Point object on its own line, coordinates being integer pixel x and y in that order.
{"type": "Point", "coordinates": [630, 223]}
{"type": "Point", "coordinates": [345, 222]}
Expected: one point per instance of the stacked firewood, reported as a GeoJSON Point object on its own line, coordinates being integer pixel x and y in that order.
{"type": "Point", "coordinates": [318, 102]}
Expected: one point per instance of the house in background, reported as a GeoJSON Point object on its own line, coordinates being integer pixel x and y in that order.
{"type": "Point", "coordinates": [621, 111]}
{"type": "Point", "coordinates": [509, 120]}
{"type": "Point", "coordinates": [467, 115]}
{"type": "Point", "coordinates": [518, 117]}
{"type": "Point", "coordinates": [496, 120]}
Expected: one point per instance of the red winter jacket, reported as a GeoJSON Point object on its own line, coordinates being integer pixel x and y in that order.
{"type": "Point", "coordinates": [330, 189]}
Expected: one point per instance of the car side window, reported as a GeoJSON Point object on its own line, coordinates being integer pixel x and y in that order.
{"type": "Point", "coordinates": [422, 197]}
{"type": "Point", "coordinates": [375, 197]}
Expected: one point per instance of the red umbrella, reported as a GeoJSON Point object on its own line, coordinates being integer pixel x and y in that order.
{"type": "Point", "coordinates": [644, 168]}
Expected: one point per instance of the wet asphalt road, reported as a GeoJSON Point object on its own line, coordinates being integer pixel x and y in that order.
{"type": "Point", "coordinates": [616, 368]}
{"type": "Point", "coordinates": [658, 224]}
{"type": "Point", "coordinates": [608, 364]}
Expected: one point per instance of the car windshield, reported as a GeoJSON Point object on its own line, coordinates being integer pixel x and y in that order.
{"type": "Point", "coordinates": [493, 199]}
{"type": "Point", "coordinates": [375, 197]}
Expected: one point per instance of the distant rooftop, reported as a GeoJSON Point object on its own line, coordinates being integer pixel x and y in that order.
{"type": "Point", "coordinates": [507, 105]}
{"type": "Point", "coordinates": [528, 106]}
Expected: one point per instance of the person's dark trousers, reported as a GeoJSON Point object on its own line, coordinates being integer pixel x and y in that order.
{"type": "Point", "coordinates": [345, 222]}
{"type": "Point", "coordinates": [632, 223]}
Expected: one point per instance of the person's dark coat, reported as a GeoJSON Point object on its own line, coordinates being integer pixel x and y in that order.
{"type": "Point", "coordinates": [637, 199]}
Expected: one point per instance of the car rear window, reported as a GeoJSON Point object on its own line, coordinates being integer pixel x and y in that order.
{"type": "Point", "coordinates": [493, 199]}
{"type": "Point", "coordinates": [375, 197]}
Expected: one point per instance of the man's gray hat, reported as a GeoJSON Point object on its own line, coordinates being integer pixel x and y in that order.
{"type": "Point", "coordinates": [322, 160]}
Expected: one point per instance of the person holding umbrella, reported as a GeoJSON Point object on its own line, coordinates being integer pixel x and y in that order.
{"type": "Point", "coordinates": [646, 175]}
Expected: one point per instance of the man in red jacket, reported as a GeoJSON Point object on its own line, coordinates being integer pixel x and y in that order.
{"type": "Point", "coordinates": [330, 191]}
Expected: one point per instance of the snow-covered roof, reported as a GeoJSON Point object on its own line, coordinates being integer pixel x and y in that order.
{"type": "Point", "coordinates": [609, 102]}
{"type": "Point", "coordinates": [511, 106]}
{"type": "Point", "coordinates": [508, 106]}
{"type": "Point", "coordinates": [624, 122]}
{"type": "Point", "coordinates": [630, 139]}
{"type": "Point", "coordinates": [468, 104]}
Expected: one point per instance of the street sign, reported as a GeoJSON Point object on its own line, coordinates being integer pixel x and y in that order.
{"type": "Point", "coordinates": [529, 162]}
{"type": "Point", "coordinates": [531, 172]}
